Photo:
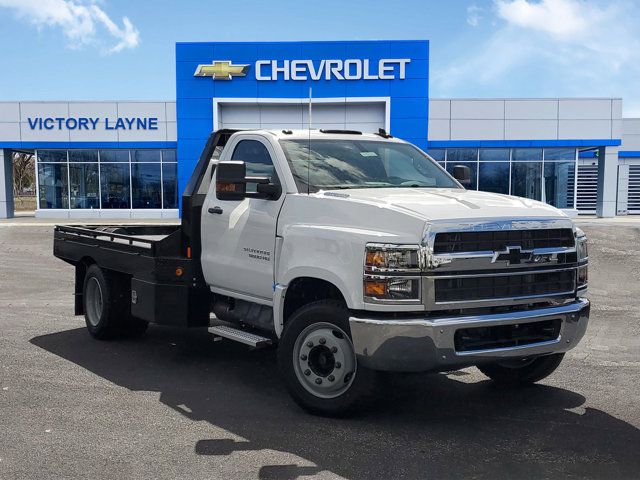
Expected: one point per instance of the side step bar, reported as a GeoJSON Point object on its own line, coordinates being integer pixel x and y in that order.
{"type": "Point", "coordinates": [241, 336]}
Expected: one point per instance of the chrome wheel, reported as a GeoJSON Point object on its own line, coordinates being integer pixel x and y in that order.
{"type": "Point", "coordinates": [324, 360]}
{"type": "Point", "coordinates": [93, 301]}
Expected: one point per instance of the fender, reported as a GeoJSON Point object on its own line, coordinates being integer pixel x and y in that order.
{"type": "Point", "coordinates": [280, 290]}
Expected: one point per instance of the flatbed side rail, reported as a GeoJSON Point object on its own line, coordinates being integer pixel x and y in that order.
{"type": "Point", "coordinates": [145, 243]}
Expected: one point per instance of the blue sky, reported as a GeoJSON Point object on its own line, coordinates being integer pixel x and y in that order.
{"type": "Point", "coordinates": [117, 49]}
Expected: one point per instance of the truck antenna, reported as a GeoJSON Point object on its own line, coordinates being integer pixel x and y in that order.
{"type": "Point", "coordinates": [309, 143]}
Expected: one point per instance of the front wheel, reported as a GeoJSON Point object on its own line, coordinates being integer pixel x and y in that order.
{"type": "Point", "coordinates": [318, 361]}
{"type": "Point", "coordinates": [522, 371]}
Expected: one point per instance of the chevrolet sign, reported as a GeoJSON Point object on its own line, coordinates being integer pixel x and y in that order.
{"type": "Point", "coordinates": [302, 70]}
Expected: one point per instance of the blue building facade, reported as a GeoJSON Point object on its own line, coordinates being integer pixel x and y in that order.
{"type": "Point", "coordinates": [394, 74]}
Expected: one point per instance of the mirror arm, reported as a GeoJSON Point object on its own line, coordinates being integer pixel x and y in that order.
{"type": "Point", "coordinates": [258, 180]}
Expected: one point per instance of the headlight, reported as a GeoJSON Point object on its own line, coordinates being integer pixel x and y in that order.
{"type": "Point", "coordinates": [391, 288]}
{"type": "Point", "coordinates": [391, 258]}
{"type": "Point", "coordinates": [385, 267]}
{"type": "Point", "coordinates": [583, 259]}
{"type": "Point", "coordinates": [581, 245]}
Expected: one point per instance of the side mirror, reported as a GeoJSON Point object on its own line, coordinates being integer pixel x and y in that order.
{"type": "Point", "coordinates": [270, 191]}
{"type": "Point", "coordinates": [231, 183]}
{"type": "Point", "coordinates": [462, 174]}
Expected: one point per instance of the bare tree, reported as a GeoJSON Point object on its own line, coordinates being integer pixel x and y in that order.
{"type": "Point", "coordinates": [24, 176]}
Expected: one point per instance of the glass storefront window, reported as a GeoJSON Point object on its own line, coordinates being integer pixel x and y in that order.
{"type": "Point", "coordinates": [84, 187]}
{"type": "Point", "coordinates": [168, 156]}
{"type": "Point", "coordinates": [53, 185]}
{"type": "Point", "coordinates": [146, 187]}
{"type": "Point", "coordinates": [45, 156]}
{"type": "Point", "coordinates": [114, 180]}
{"type": "Point", "coordinates": [462, 155]}
{"type": "Point", "coordinates": [474, 172]}
{"type": "Point", "coordinates": [559, 183]}
{"type": "Point", "coordinates": [170, 185]}
{"type": "Point", "coordinates": [554, 154]}
{"type": "Point", "coordinates": [527, 155]}
{"type": "Point", "coordinates": [114, 156]}
{"type": "Point", "coordinates": [494, 154]}
{"type": "Point", "coordinates": [83, 155]}
{"type": "Point", "coordinates": [526, 179]}
{"type": "Point", "coordinates": [494, 177]}
{"type": "Point", "coordinates": [145, 155]}
{"type": "Point", "coordinates": [117, 178]}
{"type": "Point", "coordinates": [437, 154]}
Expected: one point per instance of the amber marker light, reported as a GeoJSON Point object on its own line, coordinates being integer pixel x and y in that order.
{"type": "Point", "coordinates": [375, 258]}
{"type": "Point", "coordinates": [179, 271]}
{"type": "Point", "coordinates": [375, 288]}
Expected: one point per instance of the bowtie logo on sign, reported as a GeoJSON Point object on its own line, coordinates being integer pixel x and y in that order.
{"type": "Point", "coordinates": [221, 70]}
{"type": "Point", "coordinates": [351, 69]}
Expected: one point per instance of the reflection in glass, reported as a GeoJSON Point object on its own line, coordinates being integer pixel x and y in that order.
{"type": "Point", "coordinates": [145, 182]}
{"type": "Point", "coordinates": [114, 179]}
{"type": "Point", "coordinates": [52, 156]}
{"type": "Point", "coordinates": [494, 177]}
{"type": "Point", "coordinates": [473, 166]}
{"type": "Point", "coordinates": [114, 156]}
{"type": "Point", "coordinates": [462, 155]}
{"type": "Point", "coordinates": [559, 183]}
{"type": "Point", "coordinates": [552, 154]}
{"type": "Point", "coordinates": [168, 155]}
{"type": "Point", "coordinates": [145, 155]}
{"type": "Point", "coordinates": [527, 154]}
{"type": "Point", "coordinates": [494, 154]}
{"type": "Point", "coordinates": [83, 155]}
{"type": "Point", "coordinates": [526, 179]}
{"type": "Point", "coordinates": [437, 154]}
{"type": "Point", "coordinates": [170, 185]}
{"type": "Point", "coordinates": [84, 185]}
{"type": "Point", "coordinates": [53, 186]}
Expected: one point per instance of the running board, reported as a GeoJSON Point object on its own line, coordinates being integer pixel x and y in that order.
{"type": "Point", "coordinates": [241, 336]}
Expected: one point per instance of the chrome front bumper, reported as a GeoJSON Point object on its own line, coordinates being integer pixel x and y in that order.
{"type": "Point", "coordinates": [421, 344]}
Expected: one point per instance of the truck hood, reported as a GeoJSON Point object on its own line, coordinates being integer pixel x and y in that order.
{"type": "Point", "coordinates": [435, 204]}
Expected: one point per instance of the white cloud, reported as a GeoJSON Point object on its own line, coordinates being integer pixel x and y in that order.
{"type": "Point", "coordinates": [83, 22]}
{"type": "Point", "coordinates": [552, 48]}
{"type": "Point", "coordinates": [474, 15]}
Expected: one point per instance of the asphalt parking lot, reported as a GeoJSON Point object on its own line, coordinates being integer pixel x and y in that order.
{"type": "Point", "coordinates": [176, 405]}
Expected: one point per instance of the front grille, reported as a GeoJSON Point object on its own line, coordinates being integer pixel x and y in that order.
{"type": "Point", "coordinates": [504, 286]}
{"type": "Point", "coordinates": [456, 242]}
{"type": "Point", "coordinates": [505, 336]}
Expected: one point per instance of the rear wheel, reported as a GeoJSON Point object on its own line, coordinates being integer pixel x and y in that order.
{"type": "Point", "coordinates": [522, 371]}
{"type": "Point", "coordinates": [318, 362]}
{"type": "Point", "coordinates": [107, 305]}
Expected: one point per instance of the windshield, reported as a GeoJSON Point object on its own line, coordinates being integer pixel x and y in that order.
{"type": "Point", "coordinates": [333, 164]}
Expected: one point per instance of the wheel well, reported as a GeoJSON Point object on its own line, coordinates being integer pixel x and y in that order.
{"type": "Point", "coordinates": [304, 290]}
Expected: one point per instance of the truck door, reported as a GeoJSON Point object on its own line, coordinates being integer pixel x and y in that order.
{"type": "Point", "coordinates": [238, 237]}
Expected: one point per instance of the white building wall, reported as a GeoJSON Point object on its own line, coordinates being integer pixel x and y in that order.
{"type": "Point", "coordinates": [14, 126]}
{"type": "Point", "coordinates": [630, 134]}
{"type": "Point", "coordinates": [525, 119]}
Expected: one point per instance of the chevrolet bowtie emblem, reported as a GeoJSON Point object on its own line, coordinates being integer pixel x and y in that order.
{"type": "Point", "coordinates": [221, 70]}
{"type": "Point", "coordinates": [512, 255]}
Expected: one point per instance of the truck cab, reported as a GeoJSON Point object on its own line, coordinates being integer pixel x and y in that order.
{"type": "Point", "coordinates": [354, 254]}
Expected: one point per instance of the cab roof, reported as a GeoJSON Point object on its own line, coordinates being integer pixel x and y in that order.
{"type": "Point", "coordinates": [322, 134]}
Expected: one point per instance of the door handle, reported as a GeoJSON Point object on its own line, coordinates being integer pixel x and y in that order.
{"type": "Point", "coordinates": [217, 210]}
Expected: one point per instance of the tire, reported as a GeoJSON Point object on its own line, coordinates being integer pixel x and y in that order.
{"type": "Point", "coordinates": [523, 371]}
{"type": "Point", "coordinates": [317, 361]}
{"type": "Point", "coordinates": [106, 304]}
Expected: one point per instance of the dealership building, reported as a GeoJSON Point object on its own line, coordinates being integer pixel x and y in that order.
{"type": "Point", "coordinates": [123, 159]}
